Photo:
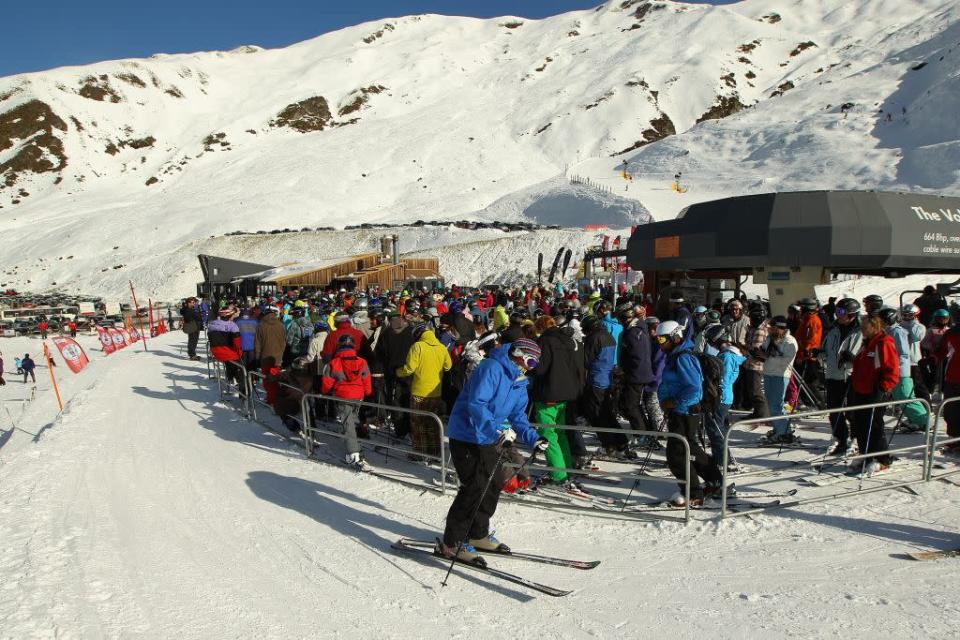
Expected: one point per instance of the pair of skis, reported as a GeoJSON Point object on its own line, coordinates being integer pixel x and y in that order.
{"type": "Point", "coordinates": [426, 547]}
{"type": "Point", "coordinates": [556, 265]}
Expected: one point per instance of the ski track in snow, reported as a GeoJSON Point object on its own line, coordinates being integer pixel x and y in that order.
{"type": "Point", "coordinates": [149, 509]}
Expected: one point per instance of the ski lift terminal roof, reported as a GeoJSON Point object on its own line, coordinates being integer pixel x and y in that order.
{"type": "Point", "coordinates": [859, 232]}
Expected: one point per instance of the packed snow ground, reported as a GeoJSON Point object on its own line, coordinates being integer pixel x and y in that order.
{"type": "Point", "coordinates": [148, 509]}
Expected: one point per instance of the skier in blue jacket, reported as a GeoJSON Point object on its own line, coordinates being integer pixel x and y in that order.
{"type": "Point", "coordinates": [717, 340]}
{"type": "Point", "coordinates": [680, 393]}
{"type": "Point", "coordinates": [489, 414]}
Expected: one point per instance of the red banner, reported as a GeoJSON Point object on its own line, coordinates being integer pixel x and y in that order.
{"type": "Point", "coordinates": [119, 342]}
{"type": "Point", "coordinates": [134, 335]}
{"type": "Point", "coordinates": [126, 337]}
{"type": "Point", "coordinates": [72, 353]}
{"type": "Point", "coordinates": [106, 341]}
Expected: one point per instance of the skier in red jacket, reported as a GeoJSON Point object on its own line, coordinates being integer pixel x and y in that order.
{"type": "Point", "coordinates": [876, 371]}
{"type": "Point", "coordinates": [343, 327]}
{"type": "Point", "coordinates": [347, 377]}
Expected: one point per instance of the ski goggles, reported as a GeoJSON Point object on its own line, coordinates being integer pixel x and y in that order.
{"type": "Point", "coordinates": [840, 312]}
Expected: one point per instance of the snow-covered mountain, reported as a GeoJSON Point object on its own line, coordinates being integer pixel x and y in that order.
{"type": "Point", "coordinates": [110, 171]}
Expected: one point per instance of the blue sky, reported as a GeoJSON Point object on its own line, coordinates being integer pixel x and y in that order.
{"type": "Point", "coordinates": [37, 35]}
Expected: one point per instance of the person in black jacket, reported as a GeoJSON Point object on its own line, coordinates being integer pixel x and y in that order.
{"type": "Point", "coordinates": [557, 381]}
{"type": "Point", "coordinates": [461, 326]}
{"type": "Point", "coordinates": [391, 354]}
{"type": "Point", "coordinates": [192, 323]}
{"type": "Point", "coordinates": [514, 331]}
{"type": "Point", "coordinates": [637, 366]}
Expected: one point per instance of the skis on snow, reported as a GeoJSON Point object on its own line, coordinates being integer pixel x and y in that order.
{"type": "Point", "coordinates": [399, 545]}
{"type": "Point", "coordinates": [531, 557]}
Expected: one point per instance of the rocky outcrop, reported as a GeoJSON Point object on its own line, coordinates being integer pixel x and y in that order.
{"type": "Point", "coordinates": [33, 126]}
{"type": "Point", "coordinates": [312, 114]}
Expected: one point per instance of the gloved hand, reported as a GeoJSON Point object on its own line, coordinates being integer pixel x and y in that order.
{"type": "Point", "coordinates": [844, 358]}
{"type": "Point", "coordinates": [884, 396]}
{"type": "Point", "coordinates": [541, 444]}
{"type": "Point", "coordinates": [507, 437]}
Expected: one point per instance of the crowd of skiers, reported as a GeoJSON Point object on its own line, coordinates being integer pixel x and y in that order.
{"type": "Point", "coordinates": [506, 364]}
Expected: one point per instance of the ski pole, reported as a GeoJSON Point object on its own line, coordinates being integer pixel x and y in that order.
{"type": "Point", "coordinates": [473, 518]}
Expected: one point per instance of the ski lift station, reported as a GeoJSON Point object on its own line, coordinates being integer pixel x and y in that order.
{"type": "Point", "coordinates": [794, 241]}
{"type": "Point", "coordinates": [224, 277]}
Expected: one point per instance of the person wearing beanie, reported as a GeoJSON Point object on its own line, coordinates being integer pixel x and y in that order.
{"type": "Point", "coordinates": [490, 414]}
{"type": "Point", "coordinates": [347, 377]}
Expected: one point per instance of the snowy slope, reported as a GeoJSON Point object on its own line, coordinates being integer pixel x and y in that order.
{"type": "Point", "coordinates": [148, 510]}
{"type": "Point", "coordinates": [436, 117]}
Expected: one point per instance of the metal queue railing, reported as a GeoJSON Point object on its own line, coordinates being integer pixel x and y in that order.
{"type": "Point", "coordinates": [928, 447]}
{"type": "Point", "coordinates": [225, 383]}
{"type": "Point", "coordinates": [934, 444]}
{"type": "Point", "coordinates": [626, 474]}
{"type": "Point", "coordinates": [925, 448]}
{"type": "Point", "coordinates": [309, 428]}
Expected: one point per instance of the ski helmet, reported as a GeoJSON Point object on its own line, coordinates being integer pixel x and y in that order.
{"type": "Point", "coordinates": [847, 307]}
{"type": "Point", "coordinates": [909, 311]}
{"type": "Point", "coordinates": [676, 297]}
{"type": "Point", "coordinates": [758, 314]}
{"type": "Point", "coordinates": [873, 302]}
{"type": "Point", "coordinates": [712, 316]}
{"type": "Point", "coordinates": [699, 311]}
{"type": "Point", "coordinates": [589, 323]}
{"type": "Point", "coordinates": [888, 315]}
{"type": "Point", "coordinates": [652, 321]}
{"type": "Point", "coordinates": [808, 305]}
{"type": "Point", "coordinates": [716, 334]}
{"type": "Point", "coordinates": [941, 313]}
{"type": "Point", "coordinates": [669, 331]}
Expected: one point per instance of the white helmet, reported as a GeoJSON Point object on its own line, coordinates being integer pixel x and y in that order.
{"type": "Point", "coordinates": [670, 328]}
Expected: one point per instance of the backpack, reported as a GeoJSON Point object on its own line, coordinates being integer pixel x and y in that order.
{"type": "Point", "coordinates": [306, 331]}
{"type": "Point", "coordinates": [712, 369]}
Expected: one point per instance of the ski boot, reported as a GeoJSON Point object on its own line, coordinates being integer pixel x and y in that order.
{"type": "Point", "coordinates": [467, 553]}
{"type": "Point", "coordinates": [489, 544]}
{"type": "Point", "coordinates": [356, 462]}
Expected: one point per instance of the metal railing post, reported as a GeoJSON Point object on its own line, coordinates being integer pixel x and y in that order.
{"type": "Point", "coordinates": [925, 448]}
{"type": "Point", "coordinates": [667, 435]}
{"type": "Point", "coordinates": [932, 440]}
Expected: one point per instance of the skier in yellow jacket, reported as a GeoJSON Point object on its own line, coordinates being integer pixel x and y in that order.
{"type": "Point", "coordinates": [427, 361]}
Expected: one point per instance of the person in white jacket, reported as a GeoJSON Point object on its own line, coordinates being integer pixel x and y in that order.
{"type": "Point", "coordinates": [777, 353]}
{"type": "Point", "coordinates": [916, 332]}
{"type": "Point", "coordinates": [837, 350]}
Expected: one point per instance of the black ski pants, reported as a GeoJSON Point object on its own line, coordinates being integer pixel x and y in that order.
{"type": "Point", "coordinates": [868, 427]}
{"type": "Point", "coordinates": [475, 464]}
{"type": "Point", "coordinates": [192, 340]}
{"type": "Point", "coordinates": [753, 392]}
{"type": "Point", "coordinates": [631, 402]}
{"type": "Point", "coordinates": [701, 465]}
{"type": "Point", "coordinates": [599, 409]}
{"type": "Point", "coordinates": [839, 422]}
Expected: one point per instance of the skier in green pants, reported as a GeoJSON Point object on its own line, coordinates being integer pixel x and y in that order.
{"type": "Point", "coordinates": [558, 379]}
